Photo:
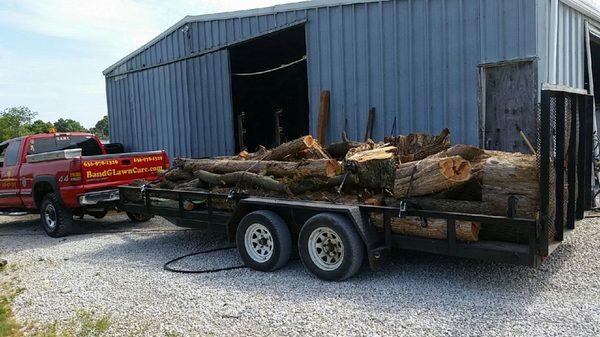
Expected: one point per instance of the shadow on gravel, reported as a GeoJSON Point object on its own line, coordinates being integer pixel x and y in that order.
{"type": "Point", "coordinates": [29, 226]}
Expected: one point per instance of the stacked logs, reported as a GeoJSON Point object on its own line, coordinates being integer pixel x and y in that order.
{"type": "Point", "coordinates": [419, 168]}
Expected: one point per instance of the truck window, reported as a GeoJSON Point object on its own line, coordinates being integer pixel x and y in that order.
{"type": "Point", "coordinates": [88, 145]}
{"type": "Point", "coordinates": [2, 153]}
{"type": "Point", "coordinates": [12, 152]}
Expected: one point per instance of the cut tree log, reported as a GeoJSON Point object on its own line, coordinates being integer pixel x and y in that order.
{"type": "Point", "coordinates": [366, 146]}
{"type": "Point", "coordinates": [467, 152]}
{"type": "Point", "coordinates": [417, 146]}
{"type": "Point", "coordinates": [243, 179]}
{"type": "Point", "coordinates": [374, 168]}
{"type": "Point", "coordinates": [178, 175]}
{"type": "Point", "coordinates": [385, 152]}
{"type": "Point", "coordinates": [430, 175]}
{"type": "Point", "coordinates": [308, 168]}
{"type": "Point", "coordinates": [512, 174]}
{"type": "Point", "coordinates": [466, 231]}
{"type": "Point", "coordinates": [339, 150]}
{"type": "Point", "coordinates": [289, 149]}
{"type": "Point", "coordinates": [258, 154]}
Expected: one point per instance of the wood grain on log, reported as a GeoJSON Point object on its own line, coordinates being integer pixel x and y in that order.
{"type": "Point", "coordinates": [243, 179]}
{"type": "Point", "coordinates": [430, 175]}
{"type": "Point", "coordinates": [178, 175]}
{"type": "Point", "coordinates": [466, 231]}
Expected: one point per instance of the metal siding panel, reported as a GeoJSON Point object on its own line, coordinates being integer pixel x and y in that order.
{"type": "Point", "coordinates": [565, 63]}
{"type": "Point", "coordinates": [413, 60]}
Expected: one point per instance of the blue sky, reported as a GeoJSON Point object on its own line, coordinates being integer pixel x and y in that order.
{"type": "Point", "coordinates": [52, 53]}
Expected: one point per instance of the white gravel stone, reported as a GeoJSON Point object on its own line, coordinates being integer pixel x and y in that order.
{"type": "Point", "coordinates": [115, 267]}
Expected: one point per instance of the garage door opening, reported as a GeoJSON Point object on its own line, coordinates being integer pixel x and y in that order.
{"type": "Point", "coordinates": [270, 89]}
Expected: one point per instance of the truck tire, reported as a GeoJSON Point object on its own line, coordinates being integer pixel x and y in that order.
{"type": "Point", "coordinates": [139, 217]}
{"type": "Point", "coordinates": [330, 248]}
{"type": "Point", "coordinates": [264, 241]}
{"type": "Point", "coordinates": [57, 220]}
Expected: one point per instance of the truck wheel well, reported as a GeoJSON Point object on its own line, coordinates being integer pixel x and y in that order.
{"type": "Point", "coordinates": [40, 190]}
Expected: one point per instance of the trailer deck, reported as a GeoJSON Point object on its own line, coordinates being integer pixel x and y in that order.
{"type": "Point", "coordinates": [379, 241]}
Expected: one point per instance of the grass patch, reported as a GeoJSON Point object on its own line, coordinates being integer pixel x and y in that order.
{"type": "Point", "coordinates": [83, 324]}
{"type": "Point", "coordinates": [8, 326]}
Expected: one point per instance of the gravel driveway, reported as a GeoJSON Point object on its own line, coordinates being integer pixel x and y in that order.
{"type": "Point", "coordinates": [114, 267]}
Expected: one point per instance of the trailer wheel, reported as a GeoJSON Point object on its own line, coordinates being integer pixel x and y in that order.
{"type": "Point", "coordinates": [139, 217]}
{"type": "Point", "coordinates": [264, 241]}
{"type": "Point", "coordinates": [57, 220]}
{"type": "Point", "coordinates": [330, 247]}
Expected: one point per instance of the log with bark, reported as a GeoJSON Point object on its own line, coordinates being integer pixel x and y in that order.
{"type": "Point", "coordinates": [511, 174]}
{"type": "Point", "coordinates": [373, 168]}
{"type": "Point", "coordinates": [417, 146]}
{"type": "Point", "coordinates": [178, 175]}
{"type": "Point", "coordinates": [307, 168]}
{"type": "Point", "coordinates": [242, 179]}
{"type": "Point", "coordinates": [466, 231]}
{"type": "Point", "coordinates": [430, 175]}
{"type": "Point", "coordinates": [340, 149]}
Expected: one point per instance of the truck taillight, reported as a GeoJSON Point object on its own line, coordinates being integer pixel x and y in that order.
{"type": "Point", "coordinates": [75, 172]}
{"type": "Point", "coordinates": [166, 163]}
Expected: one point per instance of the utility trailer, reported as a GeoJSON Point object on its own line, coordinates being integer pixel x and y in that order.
{"type": "Point", "coordinates": [333, 240]}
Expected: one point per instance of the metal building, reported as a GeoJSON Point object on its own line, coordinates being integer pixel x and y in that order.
{"type": "Point", "coordinates": [474, 66]}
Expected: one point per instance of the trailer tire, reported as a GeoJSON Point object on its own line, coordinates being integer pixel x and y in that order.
{"type": "Point", "coordinates": [330, 248]}
{"type": "Point", "coordinates": [57, 220]}
{"type": "Point", "coordinates": [139, 217]}
{"type": "Point", "coordinates": [264, 241]}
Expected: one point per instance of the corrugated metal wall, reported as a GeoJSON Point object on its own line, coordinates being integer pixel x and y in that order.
{"type": "Point", "coordinates": [413, 60]}
{"type": "Point", "coordinates": [561, 44]}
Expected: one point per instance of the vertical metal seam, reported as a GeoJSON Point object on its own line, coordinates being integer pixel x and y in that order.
{"type": "Point", "coordinates": [331, 78]}
{"type": "Point", "coordinates": [445, 66]}
{"type": "Point", "coordinates": [382, 91]}
{"type": "Point", "coordinates": [410, 66]}
{"type": "Point", "coordinates": [397, 101]}
{"type": "Point", "coordinates": [427, 68]}
{"type": "Point", "coordinates": [344, 109]}
{"type": "Point", "coordinates": [367, 59]}
{"type": "Point", "coordinates": [465, 132]}
{"type": "Point", "coordinates": [355, 66]}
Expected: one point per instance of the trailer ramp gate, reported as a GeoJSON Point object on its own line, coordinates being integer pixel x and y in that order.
{"type": "Point", "coordinates": [564, 157]}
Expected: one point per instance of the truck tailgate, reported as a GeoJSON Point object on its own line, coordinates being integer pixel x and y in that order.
{"type": "Point", "coordinates": [116, 169]}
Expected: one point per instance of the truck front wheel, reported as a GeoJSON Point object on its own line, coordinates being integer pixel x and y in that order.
{"type": "Point", "coordinates": [330, 247]}
{"type": "Point", "coordinates": [57, 220]}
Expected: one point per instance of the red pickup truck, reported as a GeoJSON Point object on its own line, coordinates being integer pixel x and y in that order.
{"type": "Point", "coordinates": [61, 175]}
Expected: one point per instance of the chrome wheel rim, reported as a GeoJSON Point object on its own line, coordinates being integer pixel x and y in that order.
{"type": "Point", "coordinates": [50, 217]}
{"type": "Point", "coordinates": [326, 248]}
{"type": "Point", "coordinates": [258, 243]}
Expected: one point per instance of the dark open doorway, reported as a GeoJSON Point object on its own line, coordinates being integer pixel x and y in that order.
{"type": "Point", "coordinates": [268, 93]}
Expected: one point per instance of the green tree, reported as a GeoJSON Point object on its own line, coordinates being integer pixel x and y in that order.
{"type": "Point", "coordinates": [68, 125]}
{"type": "Point", "coordinates": [39, 126]}
{"type": "Point", "coordinates": [15, 121]}
{"type": "Point", "coordinates": [101, 128]}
